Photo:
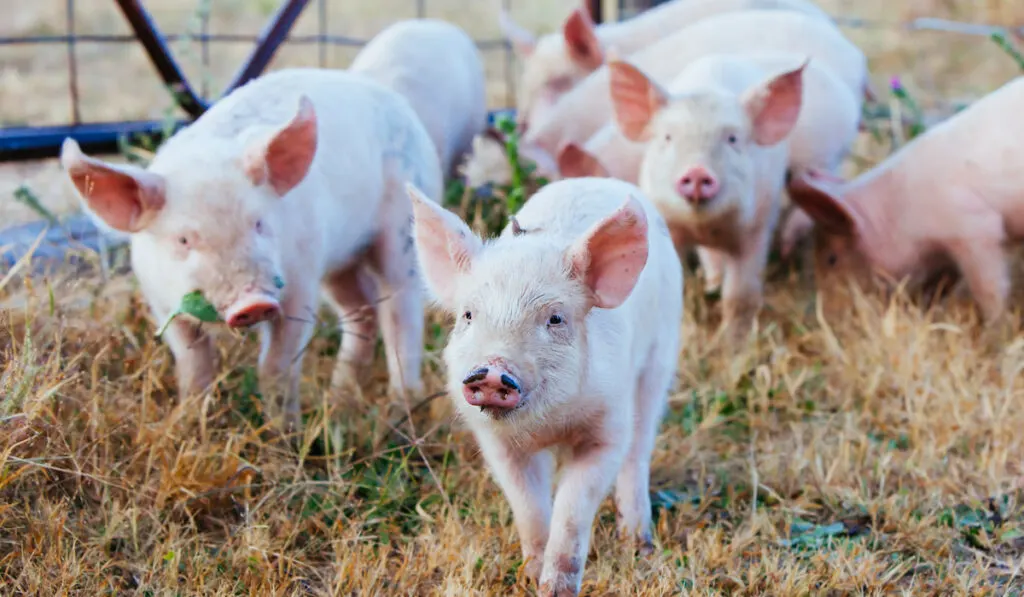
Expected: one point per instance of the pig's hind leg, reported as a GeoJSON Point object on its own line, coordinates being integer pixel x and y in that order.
{"type": "Point", "coordinates": [400, 309]}
{"type": "Point", "coordinates": [354, 294]}
{"type": "Point", "coordinates": [981, 258]}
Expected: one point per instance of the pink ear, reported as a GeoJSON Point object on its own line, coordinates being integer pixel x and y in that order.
{"type": "Point", "coordinates": [824, 207]}
{"type": "Point", "coordinates": [445, 245]}
{"type": "Point", "coordinates": [284, 160]}
{"type": "Point", "coordinates": [522, 40]}
{"type": "Point", "coordinates": [611, 255]}
{"type": "Point", "coordinates": [581, 40]}
{"type": "Point", "coordinates": [774, 106]}
{"type": "Point", "coordinates": [575, 162]}
{"type": "Point", "coordinates": [125, 197]}
{"type": "Point", "coordinates": [636, 99]}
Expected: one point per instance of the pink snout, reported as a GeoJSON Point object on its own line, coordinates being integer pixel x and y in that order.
{"type": "Point", "coordinates": [698, 185]}
{"type": "Point", "coordinates": [252, 309]}
{"type": "Point", "coordinates": [492, 388]}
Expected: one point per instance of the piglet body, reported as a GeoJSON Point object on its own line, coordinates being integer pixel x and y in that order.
{"type": "Point", "coordinates": [291, 185]}
{"type": "Point", "coordinates": [436, 66]}
{"type": "Point", "coordinates": [566, 342]}
{"type": "Point", "coordinates": [556, 62]}
{"type": "Point", "coordinates": [953, 195]}
{"type": "Point", "coordinates": [715, 160]}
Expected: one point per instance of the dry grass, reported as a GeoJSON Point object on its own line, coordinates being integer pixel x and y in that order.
{"type": "Point", "coordinates": [862, 446]}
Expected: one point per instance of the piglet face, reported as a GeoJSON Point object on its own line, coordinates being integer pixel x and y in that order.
{"type": "Point", "coordinates": [839, 240]}
{"type": "Point", "coordinates": [702, 145]}
{"type": "Point", "coordinates": [519, 345]}
{"type": "Point", "coordinates": [208, 220]}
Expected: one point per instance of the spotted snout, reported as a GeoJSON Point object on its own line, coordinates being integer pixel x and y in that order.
{"type": "Point", "coordinates": [493, 388]}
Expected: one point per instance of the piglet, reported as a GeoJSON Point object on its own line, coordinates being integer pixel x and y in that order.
{"type": "Point", "coordinates": [555, 63]}
{"type": "Point", "coordinates": [821, 139]}
{"type": "Point", "coordinates": [566, 343]}
{"type": "Point", "coordinates": [951, 196]}
{"type": "Point", "coordinates": [715, 161]}
{"type": "Point", "coordinates": [271, 196]}
{"type": "Point", "coordinates": [438, 68]}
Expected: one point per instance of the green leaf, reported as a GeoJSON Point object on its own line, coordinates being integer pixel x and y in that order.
{"type": "Point", "coordinates": [196, 305]}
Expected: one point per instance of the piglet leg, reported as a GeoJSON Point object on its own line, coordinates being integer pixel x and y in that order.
{"type": "Point", "coordinates": [742, 293]}
{"type": "Point", "coordinates": [284, 342]}
{"type": "Point", "coordinates": [712, 263]}
{"type": "Point", "coordinates": [196, 360]}
{"type": "Point", "coordinates": [982, 261]}
{"type": "Point", "coordinates": [526, 482]}
{"type": "Point", "coordinates": [586, 481]}
{"type": "Point", "coordinates": [353, 292]}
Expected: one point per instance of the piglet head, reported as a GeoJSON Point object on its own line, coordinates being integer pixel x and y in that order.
{"type": "Point", "coordinates": [519, 345]}
{"type": "Point", "coordinates": [205, 217]}
{"type": "Point", "coordinates": [699, 157]}
{"type": "Point", "coordinates": [839, 242]}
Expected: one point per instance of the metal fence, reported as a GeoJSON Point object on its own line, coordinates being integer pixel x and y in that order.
{"type": "Point", "coordinates": [33, 142]}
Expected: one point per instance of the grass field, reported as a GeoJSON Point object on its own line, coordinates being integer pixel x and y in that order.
{"type": "Point", "coordinates": [862, 446]}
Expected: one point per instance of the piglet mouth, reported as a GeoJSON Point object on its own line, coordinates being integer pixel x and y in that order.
{"type": "Point", "coordinates": [252, 308]}
{"type": "Point", "coordinates": [495, 390]}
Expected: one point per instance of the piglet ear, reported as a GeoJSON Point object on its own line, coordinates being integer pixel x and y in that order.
{"type": "Point", "coordinates": [635, 98]}
{"type": "Point", "coordinates": [581, 40]}
{"type": "Point", "coordinates": [576, 162]}
{"type": "Point", "coordinates": [445, 245]}
{"type": "Point", "coordinates": [610, 257]}
{"type": "Point", "coordinates": [126, 198]}
{"type": "Point", "coordinates": [825, 207]}
{"type": "Point", "coordinates": [522, 40]}
{"type": "Point", "coordinates": [774, 106]}
{"type": "Point", "coordinates": [283, 160]}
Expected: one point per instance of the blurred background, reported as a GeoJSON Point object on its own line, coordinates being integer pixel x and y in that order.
{"type": "Point", "coordinates": [117, 82]}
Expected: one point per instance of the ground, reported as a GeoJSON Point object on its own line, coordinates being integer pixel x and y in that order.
{"type": "Point", "coordinates": [862, 445]}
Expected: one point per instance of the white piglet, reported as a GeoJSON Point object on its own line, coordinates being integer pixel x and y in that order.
{"type": "Point", "coordinates": [292, 183]}
{"type": "Point", "coordinates": [715, 161]}
{"type": "Point", "coordinates": [438, 68]}
{"type": "Point", "coordinates": [566, 342]}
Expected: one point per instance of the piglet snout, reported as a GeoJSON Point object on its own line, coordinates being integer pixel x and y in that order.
{"type": "Point", "coordinates": [252, 309]}
{"type": "Point", "coordinates": [492, 387]}
{"type": "Point", "coordinates": [698, 185]}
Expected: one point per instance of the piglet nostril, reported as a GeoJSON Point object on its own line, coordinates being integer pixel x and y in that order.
{"type": "Point", "coordinates": [509, 382]}
{"type": "Point", "coordinates": [475, 376]}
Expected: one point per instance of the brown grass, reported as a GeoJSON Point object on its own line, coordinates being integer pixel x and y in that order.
{"type": "Point", "coordinates": [890, 426]}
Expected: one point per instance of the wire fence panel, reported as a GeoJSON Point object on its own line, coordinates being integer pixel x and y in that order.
{"type": "Point", "coordinates": [221, 49]}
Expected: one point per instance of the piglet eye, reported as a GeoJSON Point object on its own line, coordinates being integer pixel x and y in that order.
{"type": "Point", "coordinates": [668, 136]}
{"type": "Point", "coordinates": [183, 241]}
{"type": "Point", "coordinates": [555, 320]}
{"type": "Point", "coordinates": [832, 259]}
{"type": "Point", "coordinates": [468, 316]}
{"type": "Point", "coordinates": [732, 139]}
{"type": "Point", "coordinates": [259, 225]}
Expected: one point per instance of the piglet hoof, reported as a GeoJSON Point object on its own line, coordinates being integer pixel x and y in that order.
{"type": "Point", "coordinates": [532, 568]}
{"type": "Point", "coordinates": [554, 588]}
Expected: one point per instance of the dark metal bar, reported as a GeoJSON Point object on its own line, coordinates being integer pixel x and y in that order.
{"type": "Point", "coordinates": [322, 24]}
{"type": "Point", "coordinates": [39, 142]}
{"type": "Point", "coordinates": [596, 12]}
{"type": "Point", "coordinates": [160, 55]}
{"type": "Point", "coordinates": [270, 38]}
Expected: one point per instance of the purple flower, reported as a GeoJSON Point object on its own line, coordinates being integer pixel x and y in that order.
{"type": "Point", "coordinates": [895, 85]}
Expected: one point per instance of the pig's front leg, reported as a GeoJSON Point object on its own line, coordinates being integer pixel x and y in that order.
{"type": "Point", "coordinates": [195, 358]}
{"type": "Point", "coordinates": [586, 480]}
{"type": "Point", "coordinates": [742, 293]}
{"type": "Point", "coordinates": [711, 261]}
{"type": "Point", "coordinates": [982, 262]}
{"type": "Point", "coordinates": [284, 341]}
{"type": "Point", "coordinates": [526, 482]}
